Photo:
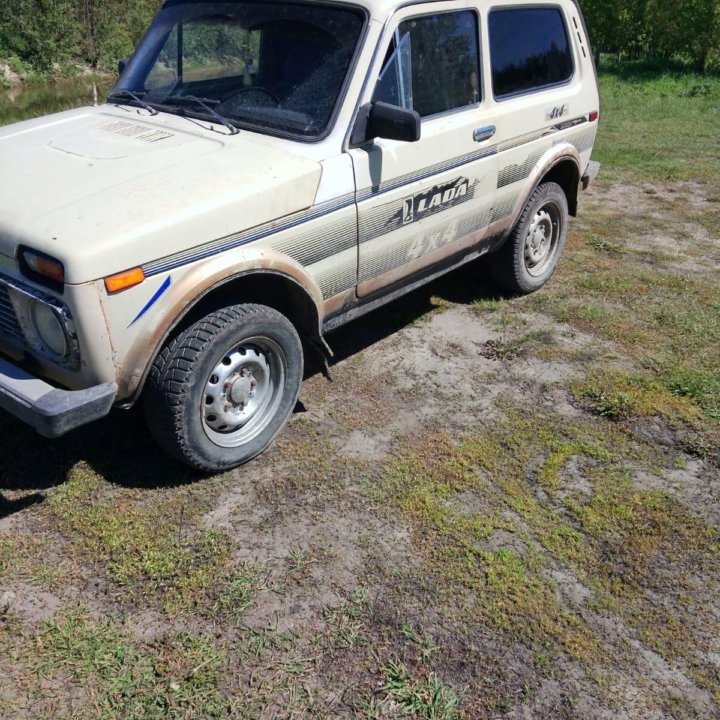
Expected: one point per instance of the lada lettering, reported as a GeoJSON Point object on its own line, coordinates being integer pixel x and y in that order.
{"type": "Point", "coordinates": [436, 199]}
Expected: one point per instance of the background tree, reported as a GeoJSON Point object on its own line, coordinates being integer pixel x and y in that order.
{"type": "Point", "coordinates": [688, 30]}
{"type": "Point", "coordinates": [97, 33]}
{"type": "Point", "coordinates": [47, 33]}
{"type": "Point", "coordinates": [40, 32]}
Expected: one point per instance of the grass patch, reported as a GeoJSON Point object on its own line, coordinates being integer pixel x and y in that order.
{"type": "Point", "coordinates": [518, 481]}
{"type": "Point", "coordinates": [640, 525]}
{"type": "Point", "coordinates": [407, 695]}
{"type": "Point", "coordinates": [8, 553]}
{"type": "Point", "coordinates": [488, 305]}
{"type": "Point", "coordinates": [640, 135]}
{"type": "Point", "coordinates": [702, 387]}
{"type": "Point", "coordinates": [175, 678]}
{"type": "Point", "coordinates": [35, 558]}
{"type": "Point", "coordinates": [597, 242]}
{"type": "Point", "coordinates": [500, 349]}
{"type": "Point", "coordinates": [419, 641]}
{"type": "Point", "coordinates": [668, 322]}
{"type": "Point", "coordinates": [236, 591]}
{"type": "Point", "coordinates": [448, 490]}
{"type": "Point", "coordinates": [156, 549]}
{"type": "Point", "coordinates": [344, 621]}
{"type": "Point", "coordinates": [560, 453]}
{"type": "Point", "coordinates": [619, 395]}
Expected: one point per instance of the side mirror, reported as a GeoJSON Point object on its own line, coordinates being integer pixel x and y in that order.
{"type": "Point", "coordinates": [382, 120]}
{"type": "Point", "coordinates": [122, 64]}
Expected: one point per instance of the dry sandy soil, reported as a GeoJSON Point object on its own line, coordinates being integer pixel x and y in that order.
{"type": "Point", "coordinates": [496, 510]}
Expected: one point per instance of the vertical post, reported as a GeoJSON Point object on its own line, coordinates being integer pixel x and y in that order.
{"type": "Point", "coordinates": [180, 53]}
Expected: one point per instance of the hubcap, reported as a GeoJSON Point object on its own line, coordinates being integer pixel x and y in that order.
{"type": "Point", "coordinates": [243, 391]}
{"type": "Point", "coordinates": [541, 240]}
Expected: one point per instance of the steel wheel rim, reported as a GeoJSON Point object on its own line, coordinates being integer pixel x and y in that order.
{"type": "Point", "coordinates": [541, 240]}
{"type": "Point", "coordinates": [243, 391]}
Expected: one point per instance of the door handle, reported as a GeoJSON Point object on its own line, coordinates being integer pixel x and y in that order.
{"type": "Point", "coordinates": [483, 133]}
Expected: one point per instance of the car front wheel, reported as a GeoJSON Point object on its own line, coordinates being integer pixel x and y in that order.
{"type": "Point", "coordinates": [221, 390]}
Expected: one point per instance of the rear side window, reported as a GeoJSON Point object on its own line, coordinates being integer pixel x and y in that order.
{"type": "Point", "coordinates": [529, 50]}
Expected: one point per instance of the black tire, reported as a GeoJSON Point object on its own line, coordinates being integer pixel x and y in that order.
{"type": "Point", "coordinates": [532, 251]}
{"type": "Point", "coordinates": [221, 390]}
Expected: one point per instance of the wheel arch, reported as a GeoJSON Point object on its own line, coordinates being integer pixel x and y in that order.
{"type": "Point", "coordinates": [263, 287]}
{"type": "Point", "coordinates": [298, 298]}
{"type": "Point", "coordinates": [566, 173]}
{"type": "Point", "coordinates": [560, 165]}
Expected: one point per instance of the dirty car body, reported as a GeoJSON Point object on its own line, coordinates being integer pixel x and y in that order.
{"type": "Point", "coordinates": [264, 172]}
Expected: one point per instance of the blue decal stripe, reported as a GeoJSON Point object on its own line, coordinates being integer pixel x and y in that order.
{"type": "Point", "coordinates": [161, 290]}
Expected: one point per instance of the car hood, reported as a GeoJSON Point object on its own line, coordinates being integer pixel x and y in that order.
{"type": "Point", "coordinates": [104, 189]}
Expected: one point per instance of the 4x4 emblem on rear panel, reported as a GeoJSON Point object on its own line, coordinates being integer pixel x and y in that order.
{"type": "Point", "coordinates": [557, 112]}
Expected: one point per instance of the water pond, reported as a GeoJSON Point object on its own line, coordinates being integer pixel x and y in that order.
{"type": "Point", "coordinates": [25, 101]}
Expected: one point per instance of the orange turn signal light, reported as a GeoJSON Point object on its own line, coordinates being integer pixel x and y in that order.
{"type": "Point", "coordinates": [124, 280]}
{"type": "Point", "coordinates": [44, 265]}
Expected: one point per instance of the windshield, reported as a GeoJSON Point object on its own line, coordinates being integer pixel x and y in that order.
{"type": "Point", "coordinates": [275, 67]}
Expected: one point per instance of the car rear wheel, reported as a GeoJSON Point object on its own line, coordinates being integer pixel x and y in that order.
{"type": "Point", "coordinates": [532, 251]}
{"type": "Point", "coordinates": [222, 389]}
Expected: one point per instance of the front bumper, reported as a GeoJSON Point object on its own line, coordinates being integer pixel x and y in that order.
{"type": "Point", "coordinates": [52, 412]}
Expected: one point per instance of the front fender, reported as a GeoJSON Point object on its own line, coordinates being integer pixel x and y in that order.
{"type": "Point", "coordinates": [190, 286]}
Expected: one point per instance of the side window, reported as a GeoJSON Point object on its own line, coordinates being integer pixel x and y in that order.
{"type": "Point", "coordinates": [432, 64]}
{"type": "Point", "coordinates": [529, 50]}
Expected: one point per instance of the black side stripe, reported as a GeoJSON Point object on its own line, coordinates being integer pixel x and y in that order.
{"type": "Point", "coordinates": [230, 242]}
{"type": "Point", "coordinates": [409, 178]}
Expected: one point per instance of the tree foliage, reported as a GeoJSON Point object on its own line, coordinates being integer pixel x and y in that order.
{"type": "Point", "coordinates": [48, 33]}
{"type": "Point", "coordinates": [687, 29]}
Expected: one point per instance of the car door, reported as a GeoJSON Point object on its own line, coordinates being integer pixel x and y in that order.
{"type": "Point", "coordinates": [420, 203]}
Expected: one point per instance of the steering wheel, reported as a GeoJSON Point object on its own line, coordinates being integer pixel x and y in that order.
{"type": "Point", "coordinates": [250, 89]}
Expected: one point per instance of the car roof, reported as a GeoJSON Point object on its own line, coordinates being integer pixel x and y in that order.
{"type": "Point", "coordinates": [383, 8]}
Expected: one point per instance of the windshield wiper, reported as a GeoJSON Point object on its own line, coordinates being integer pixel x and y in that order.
{"type": "Point", "coordinates": [136, 98]}
{"type": "Point", "coordinates": [193, 98]}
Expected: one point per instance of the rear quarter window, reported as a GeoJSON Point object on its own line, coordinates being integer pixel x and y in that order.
{"type": "Point", "coordinates": [529, 50]}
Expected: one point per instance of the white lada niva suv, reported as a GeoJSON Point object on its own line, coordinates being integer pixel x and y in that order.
{"type": "Point", "coordinates": [263, 172]}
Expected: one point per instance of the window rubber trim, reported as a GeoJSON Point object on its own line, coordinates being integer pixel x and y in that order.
{"type": "Point", "coordinates": [347, 145]}
{"type": "Point", "coordinates": [342, 95]}
{"type": "Point", "coordinates": [541, 88]}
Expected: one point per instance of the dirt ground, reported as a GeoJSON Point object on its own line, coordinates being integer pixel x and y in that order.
{"type": "Point", "coordinates": [499, 508]}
